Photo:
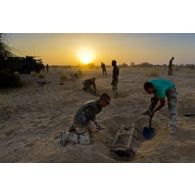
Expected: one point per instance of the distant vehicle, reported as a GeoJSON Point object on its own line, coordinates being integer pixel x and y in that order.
{"type": "Point", "coordinates": [24, 65]}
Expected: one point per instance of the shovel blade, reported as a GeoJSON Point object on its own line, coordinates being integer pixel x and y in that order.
{"type": "Point", "coordinates": [148, 132]}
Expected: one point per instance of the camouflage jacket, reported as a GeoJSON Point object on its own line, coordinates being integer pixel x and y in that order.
{"type": "Point", "coordinates": [86, 113]}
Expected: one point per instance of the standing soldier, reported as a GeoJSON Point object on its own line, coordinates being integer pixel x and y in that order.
{"type": "Point", "coordinates": [47, 67]}
{"type": "Point", "coordinates": [43, 67]}
{"type": "Point", "coordinates": [103, 66]}
{"type": "Point", "coordinates": [170, 71]}
{"type": "Point", "coordinates": [115, 74]}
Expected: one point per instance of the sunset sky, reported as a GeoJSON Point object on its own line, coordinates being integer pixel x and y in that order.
{"type": "Point", "coordinates": [73, 49]}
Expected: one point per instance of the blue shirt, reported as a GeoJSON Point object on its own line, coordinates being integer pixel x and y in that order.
{"type": "Point", "coordinates": [161, 87]}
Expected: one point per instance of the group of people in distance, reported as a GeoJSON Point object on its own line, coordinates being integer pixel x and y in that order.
{"type": "Point", "coordinates": [84, 121]}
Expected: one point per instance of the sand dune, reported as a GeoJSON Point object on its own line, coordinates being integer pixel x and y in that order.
{"type": "Point", "coordinates": [32, 117]}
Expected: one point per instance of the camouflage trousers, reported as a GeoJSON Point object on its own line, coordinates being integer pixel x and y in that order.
{"type": "Point", "coordinates": [79, 134]}
{"type": "Point", "coordinates": [172, 108]}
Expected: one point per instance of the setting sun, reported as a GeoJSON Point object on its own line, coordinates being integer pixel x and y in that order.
{"type": "Point", "coordinates": [86, 56]}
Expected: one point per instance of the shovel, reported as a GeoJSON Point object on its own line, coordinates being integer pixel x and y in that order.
{"type": "Point", "coordinates": [148, 132]}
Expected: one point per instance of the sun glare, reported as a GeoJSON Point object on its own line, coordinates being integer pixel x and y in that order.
{"type": "Point", "coordinates": [86, 56]}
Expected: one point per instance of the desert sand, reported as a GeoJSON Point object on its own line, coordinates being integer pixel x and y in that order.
{"type": "Point", "coordinates": [32, 117]}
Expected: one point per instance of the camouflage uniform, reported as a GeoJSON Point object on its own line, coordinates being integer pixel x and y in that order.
{"type": "Point", "coordinates": [84, 123]}
{"type": "Point", "coordinates": [172, 101]}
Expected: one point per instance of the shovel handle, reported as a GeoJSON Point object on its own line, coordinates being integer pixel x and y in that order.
{"type": "Point", "coordinates": [150, 122]}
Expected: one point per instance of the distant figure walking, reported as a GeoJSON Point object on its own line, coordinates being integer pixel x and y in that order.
{"type": "Point", "coordinates": [170, 70]}
{"type": "Point", "coordinates": [115, 74]}
{"type": "Point", "coordinates": [43, 68]}
{"type": "Point", "coordinates": [103, 67]}
{"type": "Point", "coordinates": [47, 67]}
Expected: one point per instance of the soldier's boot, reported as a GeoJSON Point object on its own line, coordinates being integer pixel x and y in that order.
{"type": "Point", "coordinates": [84, 138]}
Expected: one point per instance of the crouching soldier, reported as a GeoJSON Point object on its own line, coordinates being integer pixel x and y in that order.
{"type": "Point", "coordinates": [90, 86]}
{"type": "Point", "coordinates": [162, 88]}
{"type": "Point", "coordinates": [84, 122]}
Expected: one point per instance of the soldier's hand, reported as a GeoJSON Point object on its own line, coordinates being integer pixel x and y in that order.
{"type": "Point", "coordinates": [147, 112]}
{"type": "Point", "coordinates": [151, 114]}
{"type": "Point", "coordinates": [99, 128]}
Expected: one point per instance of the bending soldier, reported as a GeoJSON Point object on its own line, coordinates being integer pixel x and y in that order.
{"type": "Point", "coordinates": [90, 86]}
{"type": "Point", "coordinates": [84, 121]}
{"type": "Point", "coordinates": [170, 71]}
{"type": "Point", "coordinates": [162, 88]}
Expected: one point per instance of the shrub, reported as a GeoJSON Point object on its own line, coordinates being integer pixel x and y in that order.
{"type": "Point", "coordinates": [16, 73]}
{"type": "Point", "coordinates": [177, 68]}
{"type": "Point", "coordinates": [9, 80]}
{"type": "Point", "coordinates": [63, 77]}
{"type": "Point", "coordinates": [41, 76]}
{"type": "Point", "coordinates": [34, 74]}
{"type": "Point", "coordinates": [124, 65]}
{"type": "Point", "coordinates": [74, 76]}
{"type": "Point", "coordinates": [153, 73]}
{"type": "Point", "coordinates": [79, 73]}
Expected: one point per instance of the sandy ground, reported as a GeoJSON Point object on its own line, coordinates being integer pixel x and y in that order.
{"type": "Point", "coordinates": [32, 117]}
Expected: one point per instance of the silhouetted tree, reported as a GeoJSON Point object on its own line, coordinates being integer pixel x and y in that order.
{"type": "Point", "coordinates": [7, 78]}
{"type": "Point", "coordinates": [132, 64]}
{"type": "Point", "coordinates": [5, 50]}
{"type": "Point", "coordinates": [124, 65]}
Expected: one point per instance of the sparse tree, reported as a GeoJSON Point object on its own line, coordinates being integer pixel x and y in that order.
{"type": "Point", "coordinates": [124, 65]}
{"type": "Point", "coordinates": [132, 64]}
{"type": "Point", "coordinates": [5, 50]}
{"type": "Point", "coordinates": [7, 78]}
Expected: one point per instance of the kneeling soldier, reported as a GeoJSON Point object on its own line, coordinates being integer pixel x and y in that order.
{"type": "Point", "coordinates": [84, 121]}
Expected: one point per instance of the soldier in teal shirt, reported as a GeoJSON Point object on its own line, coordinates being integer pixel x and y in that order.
{"type": "Point", "coordinates": [162, 88]}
